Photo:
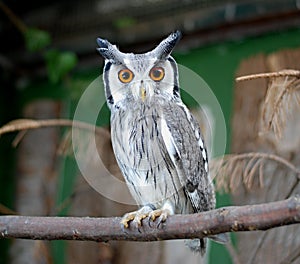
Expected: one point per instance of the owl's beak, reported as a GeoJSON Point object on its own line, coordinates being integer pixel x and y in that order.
{"type": "Point", "coordinates": [143, 92]}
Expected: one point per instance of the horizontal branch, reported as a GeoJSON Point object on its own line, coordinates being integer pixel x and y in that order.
{"type": "Point", "coordinates": [283, 73]}
{"type": "Point", "coordinates": [227, 219]}
{"type": "Point", "coordinates": [25, 124]}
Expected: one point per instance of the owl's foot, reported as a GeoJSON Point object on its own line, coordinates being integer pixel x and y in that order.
{"type": "Point", "coordinates": [136, 217]}
{"type": "Point", "coordinates": [149, 211]}
{"type": "Point", "coordinates": [162, 215]}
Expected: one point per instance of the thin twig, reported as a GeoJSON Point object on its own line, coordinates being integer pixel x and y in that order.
{"type": "Point", "coordinates": [25, 124]}
{"type": "Point", "coordinates": [18, 23]}
{"type": "Point", "coordinates": [228, 219]}
{"type": "Point", "coordinates": [282, 73]}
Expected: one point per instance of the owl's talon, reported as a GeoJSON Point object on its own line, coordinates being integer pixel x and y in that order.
{"type": "Point", "coordinates": [161, 214]}
{"type": "Point", "coordinates": [150, 221]}
{"type": "Point", "coordinates": [136, 217]}
{"type": "Point", "coordinates": [147, 211]}
{"type": "Point", "coordinates": [127, 218]}
{"type": "Point", "coordinates": [139, 218]}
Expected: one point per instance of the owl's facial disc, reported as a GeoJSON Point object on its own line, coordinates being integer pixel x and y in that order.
{"type": "Point", "coordinates": [141, 77]}
{"type": "Point", "coordinates": [154, 77]}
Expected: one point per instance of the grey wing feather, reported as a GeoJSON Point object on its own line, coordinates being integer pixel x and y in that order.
{"type": "Point", "coordinates": [182, 139]}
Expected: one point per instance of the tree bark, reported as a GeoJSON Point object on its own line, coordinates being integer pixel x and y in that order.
{"type": "Point", "coordinates": [227, 219]}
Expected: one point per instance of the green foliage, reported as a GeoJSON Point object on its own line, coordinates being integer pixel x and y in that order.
{"type": "Point", "coordinates": [124, 22]}
{"type": "Point", "coordinates": [59, 64]}
{"type": "Point", "coordinates": [36, 39]}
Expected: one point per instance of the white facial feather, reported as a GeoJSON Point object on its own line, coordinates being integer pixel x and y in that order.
{"type": "Point", "coordinates": [141, 70]}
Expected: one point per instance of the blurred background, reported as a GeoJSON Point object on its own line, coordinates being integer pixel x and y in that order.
{"type": "Point", "coordinates": [48, 57]}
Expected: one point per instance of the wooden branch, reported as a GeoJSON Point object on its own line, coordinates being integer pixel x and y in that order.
{"type": "Point", "coordinates": [283, 73]}
{"type": "Point", "coordinates": [25, 124]}
{"type": "Point", "coordinates": [227, 219]}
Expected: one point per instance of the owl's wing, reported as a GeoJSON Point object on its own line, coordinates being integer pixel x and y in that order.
{"type": "Point", "coordinates": [182, 139]}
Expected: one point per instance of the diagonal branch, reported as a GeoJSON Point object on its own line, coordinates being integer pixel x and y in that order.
{"type": "Point", "coordinates": [227, 219]}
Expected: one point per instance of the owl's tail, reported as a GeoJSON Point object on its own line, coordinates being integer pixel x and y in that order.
{"type": "Point", "coordinates": [197, 245]}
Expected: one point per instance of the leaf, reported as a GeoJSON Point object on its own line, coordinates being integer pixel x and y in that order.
{"type": "Point", "coordinates": [36, 39]}
{"type": "Point", "coordinates": [59, 64]}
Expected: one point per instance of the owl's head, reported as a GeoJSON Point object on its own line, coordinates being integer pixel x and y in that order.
{"type": "Point", "coordinates": [139, 77]}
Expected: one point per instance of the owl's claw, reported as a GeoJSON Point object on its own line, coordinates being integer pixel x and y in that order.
{"type": "Point", "coordinates": [161, 214]}
{"type": "Point", "coordinates": [127, 218]}
{"type": "Point", "coordinates": [136, 217]}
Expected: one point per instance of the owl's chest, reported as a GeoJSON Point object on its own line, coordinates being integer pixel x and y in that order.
{"type": "Point", "coordinates": [137, 140]}
{"type": "Point", "coordinates": [143, 159]}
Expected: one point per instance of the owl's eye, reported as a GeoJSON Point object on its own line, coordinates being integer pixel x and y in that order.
{"type": "Point", "coordinates": [125, 75]}
{"type": "Point", "coordinates": [157, 74]}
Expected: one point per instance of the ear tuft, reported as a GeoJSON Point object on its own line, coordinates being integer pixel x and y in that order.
{"type": "Point", "coordinates": [164, 49]}
{"type": "Point", "coordinates": [109, 51]}
{"type": "Point", "coordinates": [102, 43]}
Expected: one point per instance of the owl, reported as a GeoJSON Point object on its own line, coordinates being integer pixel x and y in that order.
{"type": "Point", "coordinates": [156, 140]}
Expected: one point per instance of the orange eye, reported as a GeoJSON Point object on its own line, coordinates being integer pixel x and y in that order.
{"type": "Point", "coordinates": [157, 74]}
{"type": "Point", "coordinates": [125, 75]}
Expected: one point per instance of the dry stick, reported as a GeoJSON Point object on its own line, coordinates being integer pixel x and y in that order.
{"type": "Point", "coordinates": [227, 219]}
{"type": "Point", "coordinates": [25, 124]}
{"type": "Point", "coordinates": [19, 24]}
{"type": "Point", "coordinates": [282, 73]}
